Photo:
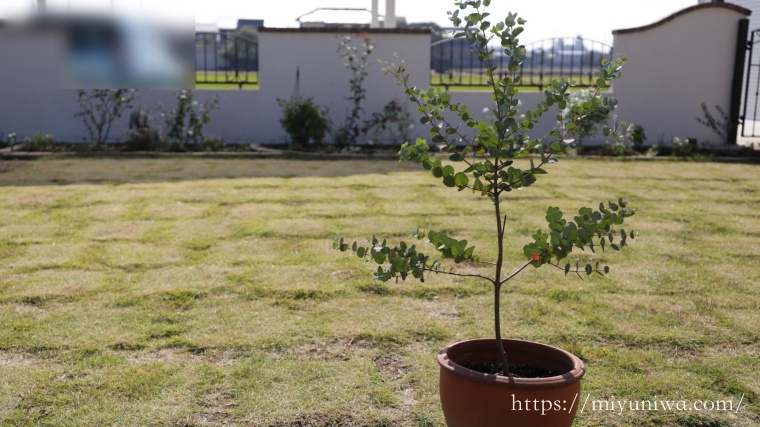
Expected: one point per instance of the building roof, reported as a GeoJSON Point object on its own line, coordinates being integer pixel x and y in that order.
{"type": "Point", "coordinates": [336, 16]}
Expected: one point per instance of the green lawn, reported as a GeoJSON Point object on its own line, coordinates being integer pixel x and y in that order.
{"type": "Point", "coordinates": [474, 81]}
{"type": "Point", "coordinates": [204, 292]}
{"type": "Point", "coordinates": [214, 79]}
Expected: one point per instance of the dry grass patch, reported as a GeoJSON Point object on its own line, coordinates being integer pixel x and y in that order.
{"type": "Point", "coordinates": [203, 292]}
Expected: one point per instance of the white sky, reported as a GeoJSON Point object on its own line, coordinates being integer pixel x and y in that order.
{"type": "Point", "coordinates": [546, 18]}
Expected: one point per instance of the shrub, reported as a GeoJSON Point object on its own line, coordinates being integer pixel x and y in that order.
{"type": "Point", "coordinates": [721, 126]}
{"type": "Point", "coordinates": [394, 122]}
{"type": "Point", "coordinates": [185, 123]}
{"type": "Point", "coordinates": [617, 148]}
{"type": "Point", "coordinates": [304, 120]}
{"type": "Point", "coordinates": [99, 108]}
{"type": "Point", "coordinates": [683, 147]}
{"type": "Point", "coordinates": [636, 135]}
{"type": "Point", "coordinates": [10, 142]}
{"type": "Point", "coordinates": [600, 115]}
{"type": "Point", "coordinates": [141, 135]}
{"type": "Point", "coordinates": [210, 144]}
{"type": "Point", "coordinates": [39, 142]}
{"type": "Point", "coordinates": [356, 61]}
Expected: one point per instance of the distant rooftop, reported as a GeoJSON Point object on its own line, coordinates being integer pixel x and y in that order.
{"type": "Point", "coordinates": [338, 17]}
{"type": "Point", "coordinates": [206, 27]}
{"type": "Point", "coordinates": [323, 17]}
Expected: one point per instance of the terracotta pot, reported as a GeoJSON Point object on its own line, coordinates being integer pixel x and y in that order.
{"type": "Point", "coordinates": [474, 399]}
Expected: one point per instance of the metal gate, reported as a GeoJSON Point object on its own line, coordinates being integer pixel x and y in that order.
{"type": "Point", "coordinates": [750, 119]}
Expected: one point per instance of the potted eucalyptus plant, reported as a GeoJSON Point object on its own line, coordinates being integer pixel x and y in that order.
{"type": "Point", "coordinates": [494, 382]}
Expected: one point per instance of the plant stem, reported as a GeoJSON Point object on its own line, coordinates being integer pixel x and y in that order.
{"type": "Point", "coordinates": [500, 226]}
{"type": "Point", "coordinates": [497, 281]}
{"type": "Point", "coordinates": [497, 326]}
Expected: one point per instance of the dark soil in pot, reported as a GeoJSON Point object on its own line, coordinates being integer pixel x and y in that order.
{"type": "Point", "coordinates": [516, 370]}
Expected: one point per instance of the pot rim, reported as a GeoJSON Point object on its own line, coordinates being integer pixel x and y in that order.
{"type": "Point", "coordinates": [575, 374]}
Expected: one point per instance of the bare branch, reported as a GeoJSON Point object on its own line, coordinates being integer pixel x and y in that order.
{"type": "Point", "coordinates": [451, 273]}
{"type": "Point", "coordinates": [515, 273]}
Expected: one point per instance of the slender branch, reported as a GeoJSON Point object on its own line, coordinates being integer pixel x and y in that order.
{"type": "Point", "coordinates": [552, 152]}
{"type": "Point", "coordinates": [515, 273]}
{"type": "Point", "coordinates": [566, 132]}
{"type": "Point", "coordinates": [435, 122]}
{"type": "Point", "coordinates": [470, 187]}
{"type": "Point", "coordinates": [451, 273]}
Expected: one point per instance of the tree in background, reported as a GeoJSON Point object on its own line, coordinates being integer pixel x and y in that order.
{"type": "Point", "coordinates": [241, 49]}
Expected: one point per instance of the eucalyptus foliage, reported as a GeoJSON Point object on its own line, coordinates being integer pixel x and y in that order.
{"type": "Point", "coordinates": [501, 158]}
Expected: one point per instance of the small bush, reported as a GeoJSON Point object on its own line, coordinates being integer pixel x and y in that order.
{"type": "Point", "coordinates": [99, 108]}
{"type": "Point", "coordinates": [652, 151]}
{"type": "Point", "coordinates": [39, 142]}
{"type": "Point", "coordinates": [10, 142]}
{"type": "Point", "coordinates": [393, 124]}
{"type": "Point", "coordinates": [601, 114]}
{"type": "Point", "coordinates": [619, 148]}
{"type": "Point", "coordinates": [720, 125]}
{"type": "Point", "coordinates": [185, 123]}
{"type": "Point", "coordinates": [637, 135]}
{"type": "Point", "coordinates": [141, 135]}
{"type": "Point", "coordinates": [210, 144]}
{"type": "Point", "coordinates": [355, 58]}
{"type": "Point", "coordinates": [303, 120]}
{"type": "Point", "coordinates": [683, 147]}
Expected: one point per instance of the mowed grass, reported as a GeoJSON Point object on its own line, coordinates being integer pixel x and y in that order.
{"type": "Point", "coordinates": [204, 292]}
{"type": "Point", "coordinates": [226, 80]}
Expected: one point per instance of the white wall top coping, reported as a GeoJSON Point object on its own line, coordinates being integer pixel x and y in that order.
{"type": "Point", "coordinates": [341, 30]}
{"type": "Point", "coordinates": [663, 21]}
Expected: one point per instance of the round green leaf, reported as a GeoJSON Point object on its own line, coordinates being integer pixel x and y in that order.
{"type": "Point", "coordinates": [461, 180]}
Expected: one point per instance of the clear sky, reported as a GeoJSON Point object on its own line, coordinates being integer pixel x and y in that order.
{"type": "Point", "coordinates": [546, 18]}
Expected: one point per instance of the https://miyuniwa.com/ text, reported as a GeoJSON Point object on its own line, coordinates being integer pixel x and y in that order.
{"type": "Point", "coordinates": [613, 404]}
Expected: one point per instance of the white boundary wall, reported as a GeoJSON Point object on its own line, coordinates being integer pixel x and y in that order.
{"type": "Point", "coordinates": [673, 66]}
{"type": "Point", "coordinates": [323, 75]}
{"type": "Point", "coordinates": [29, 101]}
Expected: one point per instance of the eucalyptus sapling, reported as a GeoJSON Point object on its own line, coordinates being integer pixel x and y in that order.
{"type": "Point", "coordinates": [500, 158]}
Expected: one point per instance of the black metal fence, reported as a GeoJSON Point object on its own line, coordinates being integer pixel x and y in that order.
{"type": "Point", "coordinates": [226, 59]}
{"type": "Point", "coordinates": [750, 116]}
{"type": "Point", "coordinates": [576, 60]}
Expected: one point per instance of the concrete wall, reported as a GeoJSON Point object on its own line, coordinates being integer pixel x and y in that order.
{"type": "Point", "coordinates": [673, 66]}
{"type": "Point", "coordinates": [323, 75]}
{"type": "Point", "coordinates": [30, 100]}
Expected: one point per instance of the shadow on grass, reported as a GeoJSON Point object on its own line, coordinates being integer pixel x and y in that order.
{"type": "Point", "coordinates": [117, 170]}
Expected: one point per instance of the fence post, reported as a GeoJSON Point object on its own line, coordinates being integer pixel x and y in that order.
{"type": "Point", "coordinates": [736, 82]}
